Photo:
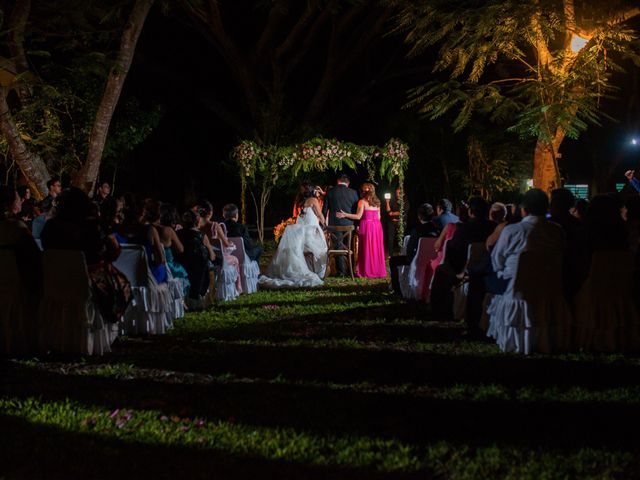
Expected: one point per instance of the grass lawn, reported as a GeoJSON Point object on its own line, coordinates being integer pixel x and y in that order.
{"type": "Point", "coordinates": [340, 382]}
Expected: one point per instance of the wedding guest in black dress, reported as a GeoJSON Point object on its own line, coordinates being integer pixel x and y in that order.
{"type": "Point", "coordinates": [196, 256]}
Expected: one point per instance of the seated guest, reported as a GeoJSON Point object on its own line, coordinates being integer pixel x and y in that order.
{"type": "Point", "coordinates": [477, 229]}
{"type": "Point", "coordinates": [110, 213]}
{"type": "Point", "coordinates": [15, 236]}
{"type": "Point", "coordinates": [444, 212]}
{"type": "Point", "coordinates": [18, 324]}
{"type": "Point", "coordinates": [55, 188]}
{"type": "Point", "coordinates": [498, 214]}
{"type": "Point", "coordinates": [579, 209]}
{"type": "Point", "coordinates": [235, 229]}
{"type": "Point", "coordinates": [47, 211]}
{"type": "Point", "coordinates": [195, 257]}
{"type": "Point", "coordinates": [216, 231]}
{"type": "Point", "coordinates": [132, 230]}
{"type": "Point", "coordinates": [533, 233]}
{"type": "Point", "coordinates": [28, 211]}
{"type": "Point", "coordinates": [102, 193]}
{"type": "Point", "coordinates": [75, 227]}
{"type": "Point", "coordinates": [425, 228]}
{"type": "Point", "coordinates": [168, 238]}
{"type": "Point", "coordinates": [575, 258]}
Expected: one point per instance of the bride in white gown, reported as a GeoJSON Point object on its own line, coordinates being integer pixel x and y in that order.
{"type": "Point", "coordinates": [290, 267]}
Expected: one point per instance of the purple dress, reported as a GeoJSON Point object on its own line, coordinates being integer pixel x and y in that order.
{"type": "Point", "coordinates": [371, 259]}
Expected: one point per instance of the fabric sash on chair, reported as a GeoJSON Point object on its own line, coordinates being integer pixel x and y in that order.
{"type": "Point", "coordinates": [249, 269]}
{"type": "Point", "coordinates": [415, 278]}
{"type": "Point", "coordinates": [226, 277]}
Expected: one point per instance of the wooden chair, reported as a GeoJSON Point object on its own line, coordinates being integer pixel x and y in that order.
{"type": "Point", "coordinates": [347, 251]}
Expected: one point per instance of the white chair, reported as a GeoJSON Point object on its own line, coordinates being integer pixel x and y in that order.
{"type": "Point", "coordinates": [226, 277]}
{"type": "Point", "coordinates": [606, 317]}
{"type": "Point", "coordinates": [69, 320]}
{"type": "Point", "coordinates": [176, 287]}
{"type": "Point", "coordinates": [415, 278]}
{"type": "Point", "coordinates": [405, 244]}
{"type": "Point", "coordinates": [532, 315]}
{"type": "Point", "coordinates": [249, 269]}
{"type": "Point", "coordinates": [153, 307]}
{"type": "Point", "coordinates": [17, 314]}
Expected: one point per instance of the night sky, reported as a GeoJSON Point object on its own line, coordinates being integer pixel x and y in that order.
{"type": "Point", "coordinates": [187, 156]}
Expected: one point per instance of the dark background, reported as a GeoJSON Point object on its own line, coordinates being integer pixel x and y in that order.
{"type": "Point", "coordinates": [187, 155]}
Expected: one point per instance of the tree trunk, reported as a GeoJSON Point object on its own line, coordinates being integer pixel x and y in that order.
{"type": "Point", "coordinates": [88, 174]}
{"type": "Point", "coordinates": [545, 169]}
{"type": "Point", "coordinates": [31, 165]}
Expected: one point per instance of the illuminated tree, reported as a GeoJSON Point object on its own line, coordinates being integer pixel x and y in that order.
{"type": "Point", "coordinates": [546, 63]}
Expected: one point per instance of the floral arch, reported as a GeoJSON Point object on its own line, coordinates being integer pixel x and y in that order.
{"type": "Point", "coordinates": [262, 168]}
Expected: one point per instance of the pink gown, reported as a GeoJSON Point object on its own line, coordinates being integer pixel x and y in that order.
{"type": "Point", "coordinates": [371, 258]}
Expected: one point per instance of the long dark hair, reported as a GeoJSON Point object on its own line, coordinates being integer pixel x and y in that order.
{"type": "Point", "coordinates": [307, 190]}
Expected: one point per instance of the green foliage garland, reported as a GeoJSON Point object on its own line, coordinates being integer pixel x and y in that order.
{"type": "Point", "coordinates": [263, 167]}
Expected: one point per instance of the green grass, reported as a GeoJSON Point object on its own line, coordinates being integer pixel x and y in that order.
{"type": "Point", "coordinates": [344, 381]}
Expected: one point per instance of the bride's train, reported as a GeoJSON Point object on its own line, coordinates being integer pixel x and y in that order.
{"type": "Point", "coordinates": [290, 267]}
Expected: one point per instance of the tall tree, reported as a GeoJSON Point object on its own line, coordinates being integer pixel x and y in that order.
{"type": "Point", "coordinates": [548, 62]}
{"type": "Point", "coordinates": [88, 174]}
{"type": "Point", "coordinates": [17, 77]}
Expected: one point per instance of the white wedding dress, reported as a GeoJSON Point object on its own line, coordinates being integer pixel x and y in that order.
{"type": "Point", "coordinates": [290, 267]}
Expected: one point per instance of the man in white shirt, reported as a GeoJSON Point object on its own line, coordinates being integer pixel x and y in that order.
{"type": "Point", "coordinates": [533, 233]}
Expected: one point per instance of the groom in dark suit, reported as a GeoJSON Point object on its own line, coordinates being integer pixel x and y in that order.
{"type": "Point", "coordinates": [341, 197]}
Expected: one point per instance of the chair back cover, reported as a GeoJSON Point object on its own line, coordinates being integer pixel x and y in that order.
{"type": "Point", "coordinates": [539, 276]}
{"type": "Point", "coordinates": [133, 263]}
{"type": "Point", "coordinates": [65, 275]}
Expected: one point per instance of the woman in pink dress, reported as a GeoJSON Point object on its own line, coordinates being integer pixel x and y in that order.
{"type": "Point", "coordinates": [371, 258]}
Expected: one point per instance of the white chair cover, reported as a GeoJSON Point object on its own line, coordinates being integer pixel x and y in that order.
{"type": "Point", "coordinates": [532, 315]}
{"type": "Point", "coordinates": [69, 320]}
{"type": "Point", "coordinates": [405, 244]}
{"type": "Point", "coordinates": [177, 288]}
{"type": "Point", "coordinates": [249, 269]}
{"type": "Point", "coordinates": [606, 317]}
{"type": "Point", "coordinates": [17, 315]}
{"type": "Point", "coordinates": [153, 308]}
{"type": "Point", "coordinates": [413, 277]}
{"type": "Point", "coordinates": [226, 276]}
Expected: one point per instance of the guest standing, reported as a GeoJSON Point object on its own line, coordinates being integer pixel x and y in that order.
{"type": "Point", "coordinates": [371, 257]}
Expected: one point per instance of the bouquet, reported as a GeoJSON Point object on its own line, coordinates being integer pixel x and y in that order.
{"type": "Point", "coordinates": [279, 229]}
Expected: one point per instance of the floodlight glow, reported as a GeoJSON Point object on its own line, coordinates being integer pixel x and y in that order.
{"type": "Point", "coordinates": [634, 141]}
{"type": "Point", "coordinates": [578, 43]}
